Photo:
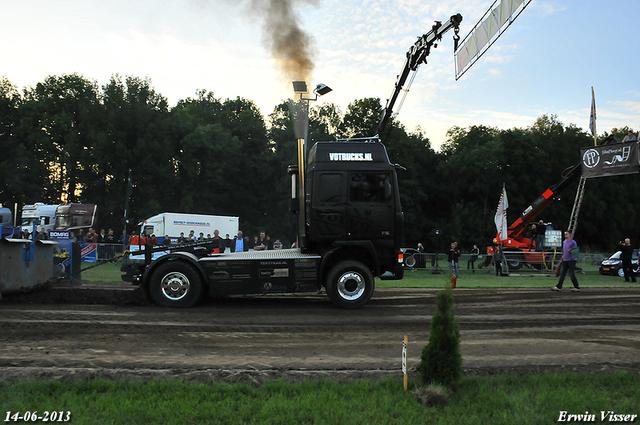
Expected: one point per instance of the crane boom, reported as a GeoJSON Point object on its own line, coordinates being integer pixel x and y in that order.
{"type": "Point", "coordinates": [417, 55]}
{"type": "Point", "coordinates": [517, 230]}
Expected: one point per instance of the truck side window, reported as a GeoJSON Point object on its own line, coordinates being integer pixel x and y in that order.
{"type": "Point", "coordinates": [77, 220]}
{"type": "Point", "coordinates": [369, 187]}
{"type": "Point", "coordinates": [331, 187]}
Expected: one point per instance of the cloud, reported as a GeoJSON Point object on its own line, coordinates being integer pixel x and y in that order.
{"type": "Point", "coordinates": [549, 8]}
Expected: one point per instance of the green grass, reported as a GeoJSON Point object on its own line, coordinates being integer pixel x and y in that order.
{"type": "Point", "coordinates": [482, 279]}
{"type": "Point", "coordinates": [105, 272]}
{"type": "Point", "coordinates": [523, 278]}
{"type": "Point", "coordinates": [506, 399]}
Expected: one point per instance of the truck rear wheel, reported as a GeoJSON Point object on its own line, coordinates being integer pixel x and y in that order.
{"type": "Point", "coordinates": [350, 284]}
{"type": "Point", "coordinates": [176, 284]}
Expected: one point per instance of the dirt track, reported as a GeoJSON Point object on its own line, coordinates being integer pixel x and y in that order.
{"type": "Point", "coordinates": [101, 330]}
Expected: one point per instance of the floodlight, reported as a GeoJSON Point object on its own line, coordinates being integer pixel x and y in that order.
{"type": "Point", "coordinates": [300, 87]}
{"type": "Point", "coordinates": [322, 89]}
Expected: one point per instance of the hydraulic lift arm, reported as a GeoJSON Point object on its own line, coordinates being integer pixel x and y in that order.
{"type": "Point", "coordinates": [417, 55]}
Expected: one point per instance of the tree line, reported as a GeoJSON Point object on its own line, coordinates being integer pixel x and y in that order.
{"type": "Point", "coordinates": [68, 139]}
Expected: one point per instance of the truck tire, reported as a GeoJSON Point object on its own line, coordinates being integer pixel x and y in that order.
{"type": "Point", "coordinates": [175, 284]}
{"type": "Point", "coordinates": [350, 284]}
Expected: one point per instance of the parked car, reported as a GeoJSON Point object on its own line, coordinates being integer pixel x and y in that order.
{"type": "Point", "coordinates": [613, 265]}
{"type": "Point", "coordinates": [410, 260]}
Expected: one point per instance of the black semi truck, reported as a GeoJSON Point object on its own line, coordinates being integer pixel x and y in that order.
{"type": "Point", "coordinates": [350, 231]}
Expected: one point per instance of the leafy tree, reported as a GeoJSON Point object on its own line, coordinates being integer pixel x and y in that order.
{"type": "Point", "coordinates": [361, 118]}
{"type": "Point", "coordinates": [57, 124]}
{"type": "Point", "coordinates": [135, 138]}
{"type": "Point", "coordinates": [15, 185]}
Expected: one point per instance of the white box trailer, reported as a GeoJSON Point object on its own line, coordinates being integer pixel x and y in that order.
{"type": "Point", "coordinates": [172, 224]}
{"type": "Point", "coordinates": [38, 214]}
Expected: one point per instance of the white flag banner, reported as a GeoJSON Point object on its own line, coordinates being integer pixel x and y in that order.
{"type": "Point", "coordinates": [501, 215]}
{"type": "Point", "coordinates": [495, 21]}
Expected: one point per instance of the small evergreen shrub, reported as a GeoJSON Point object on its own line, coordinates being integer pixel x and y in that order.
{"type": "Point", "coordinates": [441, 361]}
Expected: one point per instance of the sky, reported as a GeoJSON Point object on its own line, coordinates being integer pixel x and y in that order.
{"type": "Point", "coordinates": [545, 63]}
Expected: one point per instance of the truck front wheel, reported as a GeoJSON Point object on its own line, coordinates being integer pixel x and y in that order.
{"type": "Point", "coordinates": [175, 284]}
{"type": "Point", "coordinates": [350, 284]}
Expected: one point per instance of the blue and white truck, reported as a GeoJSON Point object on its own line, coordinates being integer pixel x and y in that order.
{"type": "Point", "coordinates": [172, 224]}
{"type": "Point", "coordinates": [39, 215]}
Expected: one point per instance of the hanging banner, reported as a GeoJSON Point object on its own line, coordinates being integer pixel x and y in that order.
{"type": "Point", "coordinates": [491, 26]}
{"type": "Point", "coordinates": [610, 160]}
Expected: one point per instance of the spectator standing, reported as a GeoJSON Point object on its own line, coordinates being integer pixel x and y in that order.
{"type": "Point", "coordinates": [41, 235]}
{"type": "Point", "coordinates": [453, 256]}
{"type": "Point", "coordinates": [239, 243]}
{"type": "Point", "coordinates": [498, 258]}
{"type": "Point", "coordinates": [110, 240]}
{"type": "Point", "coordinates": [124, 238]}
{"type": "Point", "coordinates": [263, 242]}
{"type": "Point", "coordinates": [152, 241]}
{"type": "Point", "coordinates": [627, 256]}
{"type": "Point", "coordinates": [541, 229]}
{"type": "Point", "coordinates": [568, 263]}
{"type": "Point", "coordinates": [473, 256]}
{"type": "Point", "coordinates": [533, 233]}
{"type": "Point", "coordinates": [218, 242]}
{"type": "Point", "coordinates": [182, 239]}
{"type": "Point", "coordinates": [109, 237]}
{"type": "Point", "coordinates": [91, 236]}
{"type": "Point", "coordinates": [166, 241]}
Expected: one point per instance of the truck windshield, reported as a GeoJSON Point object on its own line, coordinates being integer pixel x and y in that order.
{"type": "Point", "coordinates": [63, 222]}
{"type": "Point", "coordinates": [30, 221]}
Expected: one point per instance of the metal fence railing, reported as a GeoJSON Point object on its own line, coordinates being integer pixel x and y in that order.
{"type": "Point", "coordinates": [106, 251]}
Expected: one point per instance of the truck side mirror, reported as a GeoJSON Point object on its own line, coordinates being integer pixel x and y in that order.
{"type": "Point", "coordinates": [387, 190]}
{"type": "Point", "coordinates": [294, 204]}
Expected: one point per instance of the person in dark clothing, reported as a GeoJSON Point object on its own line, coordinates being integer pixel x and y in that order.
{"type": "Point", "coordinates": [498, 258]}
{"type": "Point", "coordinates": [472, 258]}
{"type": "Point", "coordinates": [626, 256]}
{"type": "Point", "coordinates": [541, 229]}
{"type": "Point", "coordinates": [452, 256]}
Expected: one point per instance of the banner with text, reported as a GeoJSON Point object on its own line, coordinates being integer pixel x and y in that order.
{"type": "Point", "coordinates": [610, 160]}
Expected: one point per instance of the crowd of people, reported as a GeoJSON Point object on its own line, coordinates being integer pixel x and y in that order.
{"type": "Point", "coordinates": [239, 243]}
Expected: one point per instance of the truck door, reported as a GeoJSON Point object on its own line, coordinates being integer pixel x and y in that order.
{"type": "Point", "coordinates": [329, 205]}
{"type": "Point", "coordinates": [370, 212]}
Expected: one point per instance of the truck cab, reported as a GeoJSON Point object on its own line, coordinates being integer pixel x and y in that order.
{"type": "Point", "coordinates": [75, 217]}
{"type": "Point", "coordinates": [39, 215]}
{"type": "Point", "coordinates": [353, 204]}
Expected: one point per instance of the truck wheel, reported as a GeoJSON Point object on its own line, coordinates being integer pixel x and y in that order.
{"type": "Point", "coordinates": [350, 284]}
{"type": "Point", "coordinates": [175, 284]}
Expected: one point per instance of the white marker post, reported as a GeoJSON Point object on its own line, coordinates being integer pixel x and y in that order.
{"type": "Point", "coordinates": [404, 360]}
